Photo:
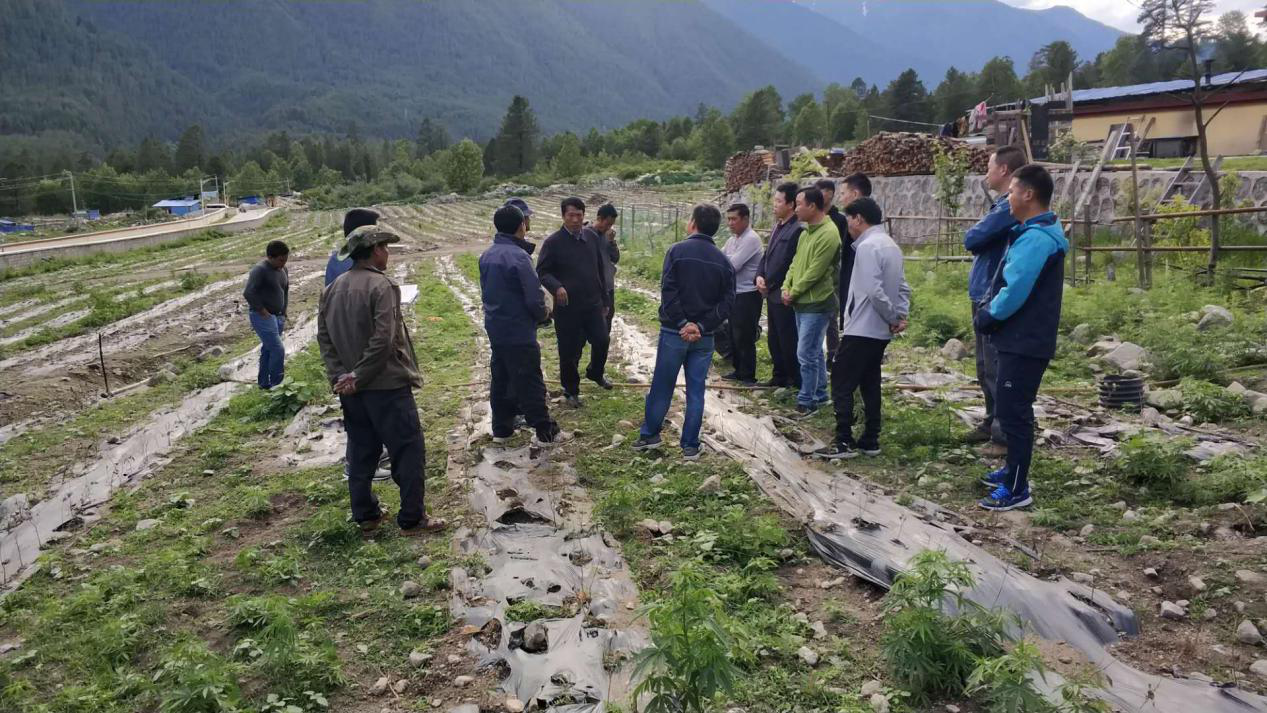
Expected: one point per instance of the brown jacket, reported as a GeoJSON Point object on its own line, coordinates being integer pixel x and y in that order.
{"type": "Point", "coordinates": [360, 329]}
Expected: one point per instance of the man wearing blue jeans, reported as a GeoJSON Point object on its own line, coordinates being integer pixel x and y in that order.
{"type": "Point", "coordinates": [810, 290]}
{"type": "Point", "coordinates": [266, 293]}
{"type": "Point", "coordinates": [1021, 315]}
{"type": "Point", "coordinates": [697, 292]}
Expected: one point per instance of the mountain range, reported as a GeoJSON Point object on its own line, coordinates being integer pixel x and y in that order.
{"type": "Point", "coordinates": [116, 72]}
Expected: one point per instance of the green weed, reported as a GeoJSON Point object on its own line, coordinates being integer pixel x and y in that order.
{"type": "Point", "coordinates": [1155, 463]}
{"type": "Point", "coordinates": [1209, 402]}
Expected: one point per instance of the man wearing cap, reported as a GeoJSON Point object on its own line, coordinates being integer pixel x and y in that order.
{"type": "Point", "coordinates": [370, 362]}
{"type": "Point", "coordinates": [514, 304]}
{"type": "Point", "coordinates": [522, 240]}
{"type": "Point", "coordinates": [352, 220]}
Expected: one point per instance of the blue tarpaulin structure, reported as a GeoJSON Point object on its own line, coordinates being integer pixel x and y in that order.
{"type": "Point", "coordinates": [8, 226]}
{"type": "Point", "coordinates": [179, 206]}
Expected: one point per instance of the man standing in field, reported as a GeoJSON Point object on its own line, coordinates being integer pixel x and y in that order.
{"type": "Point", "coordinates": [1021, 315]}
{"type": "Point", "coordinates": [987, 241]}
{"type": "Point", "coordinates": [602, 232]}
{"type": "Point", "coordinates": [810, 290]}
{"type": "Point", "coordinates": [370, 361]}
{"type": "Point", "coordinates": [697, 291]}
{"type": "Point", "coordinates": [513, 306]}
{"type": "Point", "coordinates": [352, 220]}
{"type": "Point", "coordinates": [267, 291]}
{"type": "Point", "coordinates": [743, 249]}
{"type": "Point", "coordinates": [772, 270]}
{"type": "Point", "coordinates": [571, 268]}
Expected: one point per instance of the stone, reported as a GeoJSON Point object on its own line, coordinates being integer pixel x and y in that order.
{"type": "Point", "coordinates": [711, 484]}
{"type": "Point", "coordinates": [146, 525]}
{"type": "Point", "coordinates": [1259, 405]}
{"type": "Point", "coordinates": [162, 376]}
{"type": "Point", "coordinates": [1259, 668]}
{"type": "Point", "coordinates": [1251, 579]}
{"type": "Point", "coordinates": [871, 688]}
{"type": "Point", "coordinates": [464, 708]}
{"type": "Point", "coordinates": [1148, 540]}
{"type": "Point", "coordinates": [1119, 505]}
{"type": "Point", "coordinates": [626, 425]}
{"type": "Point", "coordinates": [1214, 316]}
{"type": "Point", "coordinates": [401, 686]}
{"type": "Point", "coordinates": [1210, 614]}
{"type": "Point", "coordinates": [410, 589]}
{"type": "Point", "coordinates": [424, 561]}
{"type": "Point", "coordinates": [1130, 516]}
{"type": "Point", "coordinates": [666, 527]}
{"type": "Point", "coordinates": [1239, 606]}
{"type": "Point", "coordinates": [1164, 399]}
{"type": "Point", "coordinates": [652, 527]}
{"type": "Point", "coordinates": [1081, 334]}
{"type": "Point", "coordinates": [536, 637]}
{"type": "Point", "coordinates": [417, 659]}
{"type": "Point", "coordinates": [617, 439]}
{"type": "Point", "coordinates": [808, 655]}
{"type": "Point", "coordinates": [1236, 388]}
{"type": "Point", "coordinates": [1196, 583]}
{"type": "Point", "coordinates": [1247, 633]}
{"type": "Point", "coordinates": [954, 350]}
{"type": "Point", "coordinates": [225, 372]}
{"type": "Point", "coordinates": [1086, 530]}
{"type": "Point", "coordinates": [1127, 356]}
{"type": "Point", "coordinates": [952, 708]}
{"type": "Point", "coordinates": [513, 705]}
{"type": "Point", "coordinates": [1082, 578]}
{"type": "Point", "coordinates": [820, 631]}
{"type": "Point", "coordinates": [380, 686]}
{"type": "Point", "coordinates": [879, 703]}
{"type": "Point", "coordinates": [1170, 610]}
{"type": "Point", "coordinates": [463, 681]}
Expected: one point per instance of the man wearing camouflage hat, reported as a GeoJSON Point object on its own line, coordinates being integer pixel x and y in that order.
{"type": "Point", "coordinates": [370, 362]}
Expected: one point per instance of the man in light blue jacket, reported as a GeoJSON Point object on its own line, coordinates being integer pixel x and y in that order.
{"type": "Point", "coordinates": [987, 241]}
{"type": "Point", "coordinates": [876, 309]}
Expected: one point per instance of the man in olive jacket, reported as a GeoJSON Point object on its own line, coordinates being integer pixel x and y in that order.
{"type": "Point", "coordinates": [810, 290]}
{"type": "Point", "coordinates": [370, 362]}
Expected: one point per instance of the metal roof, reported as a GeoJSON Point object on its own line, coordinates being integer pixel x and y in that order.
{"type": "Point", "coordinates": [1081, 96]}
{"type": "Point", "coordinates": [181, 203]}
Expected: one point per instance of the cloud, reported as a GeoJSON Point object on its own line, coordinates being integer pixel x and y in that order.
{"type": "Point", "coordinates": [1122, 14]}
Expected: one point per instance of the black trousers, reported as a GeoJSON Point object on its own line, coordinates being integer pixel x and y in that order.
{"type": "Point", "coordinates": [518, 387]}
{"type": "Point", "coordinates": [611, 300]}
{"type": "Point", "coordinates": [744, 320]}
{"type": "Point", "coordinates": [833, 340]}
{"type": "Point", "coordinates": [781, 339]}
{"type": "Point", "coordinates": [573, 327]}
{"type": "Point", "coordinates": [1019, 379]}
{"type": "Point", "coordinates": [374, 419]}
{"type": "Point", "coordinates": [857, 367]}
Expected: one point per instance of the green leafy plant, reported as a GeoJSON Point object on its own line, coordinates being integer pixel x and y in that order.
{"type": "Point", "coordinates": [689, 660]}
{"type": "Point", "coordinates": [1155, 463]}
{"type": "Point", "coordinates": [928, 651]}
{"type": "Point", "coordinates": [1210, 402]}
{"type": "Point", "coordinates": [951, 170]}
{"type": "Point", "coordinates": [287, 398]}
{"type": "Point", "coordinates": [1003, 682]}
{"type": "Point", "coordinates": [192, 679]}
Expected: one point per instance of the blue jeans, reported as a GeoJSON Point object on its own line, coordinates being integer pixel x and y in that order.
{"type": "Point", "coordinates": [811, 327]}
{"type": "Point", "coordinates": [272, 353]}
{"type": "Point", "coordinates": [671, 355]}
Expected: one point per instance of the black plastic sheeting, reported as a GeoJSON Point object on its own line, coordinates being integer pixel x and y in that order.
{"type": "Point", "coordinates": [539, 544]}
{"type": "Point", "coordinates": [873, 537]}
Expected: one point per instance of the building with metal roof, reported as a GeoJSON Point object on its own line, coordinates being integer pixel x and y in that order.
{"type": "Point", "coordinates": [180, 206]}
{"type": "Point", "coordinates": [1162, 113]}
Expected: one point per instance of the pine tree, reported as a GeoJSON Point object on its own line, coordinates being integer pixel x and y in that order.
{"type": "Point", "coordinates": [713, 141]}
{"type": "Point", "coordinates": [153, 155]}
{"type": "Point", "coordinates": [567, 163]}
{"type": "Point", "coordinates": [432, 137]}
{"type": "Point", "coordinates": [516, 142]}
{"type": "Point", "coordinates": [190, 151]}
{"type": "Point", "coordinates": [907, 99]}
{"type": "Point", "coordinates": [758, 118]}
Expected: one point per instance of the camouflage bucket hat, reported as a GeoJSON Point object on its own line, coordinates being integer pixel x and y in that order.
{"type": "Point", "coordinates": [366, 235]}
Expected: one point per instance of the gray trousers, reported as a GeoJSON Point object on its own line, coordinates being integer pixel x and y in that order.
{"type": "Point", "coordinates": [987, 376]}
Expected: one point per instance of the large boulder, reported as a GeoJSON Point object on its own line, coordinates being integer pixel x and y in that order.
{"type": "Point", "coordinates": [1127, 356]}
{"type": "Point", "coordinates": [1214, 316]}
{"type": "Point", "coordinates": [1081, 334]}
{"type": "Point", "coordinates": [1164, 399]}
{"type": "Point", "coordinates": [954, 350]}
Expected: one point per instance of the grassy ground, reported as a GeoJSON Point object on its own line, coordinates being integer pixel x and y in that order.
{"type": "Point", "coordinates": [252, 591]}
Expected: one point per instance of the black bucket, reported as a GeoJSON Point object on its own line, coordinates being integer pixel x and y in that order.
{"type": "Point", "coordinates": [1122, 392]}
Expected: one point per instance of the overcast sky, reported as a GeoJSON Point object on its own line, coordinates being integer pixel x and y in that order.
{"type": "Point", "coordinates": [1122, 13]}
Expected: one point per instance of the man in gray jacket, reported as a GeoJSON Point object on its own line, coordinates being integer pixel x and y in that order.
{"type": "Point", "coordinates": [876, 308]}
{"type": "Point", "coordinates": [371, 365]}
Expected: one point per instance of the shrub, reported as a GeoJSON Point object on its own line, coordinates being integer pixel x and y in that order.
{"type": "Point", "coordinates": [933, 329]}
{"type": "Point", "coordinates": [1004, 684]}
{"type": "Point", "coordinates": [194, 680]}
{"type": "Point", "coordinates": [1210, 402]}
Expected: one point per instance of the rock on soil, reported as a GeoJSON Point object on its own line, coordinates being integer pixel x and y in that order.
{"type": "Point", "coordinates": [410, 589]}
{"type": "Point", "coordinates": [1170, 610]}
{"type": "Point", "coordinates": [380, 686]}
{"type": "Point", "coordinates": [1127, 356]}
{"type": "Point", "coordinates": [463, 681]}
{"type": "Point", "coordinates": [536, 637]}
{"type": "Point", "coordinates": [711, 484]}
{"type": "Point", "coordinates": [870, 688]}
{"type": "Point", "coordinates": [513, 705]}
{"type": "Point", "coordinates": [146, 525]}
{"type": "Point", "coordinates": [1081, 334]}
{"type": "Point", "coordinates": [1247, 633]}
{"type": "Point", "coordinates": [954, 350]}
{"type": "Point", "coordinates": [1197, 584]}
{"type": "Point", "coordinates": [879, 703]}
{"type": "Point", "coordinates": [1251, 579]}
{"type": "Point", "coordinates": [1259, 668]}
{"type": "Point", "coordinates": [1214, 316]}
{"type": "Point", "coordinates": [417, 659]}
{"type": "Point", "coordinates": [808, 655]}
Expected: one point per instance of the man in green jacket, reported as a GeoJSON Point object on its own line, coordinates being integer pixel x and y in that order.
{"type": "Point", "coordinates": [810, 290]}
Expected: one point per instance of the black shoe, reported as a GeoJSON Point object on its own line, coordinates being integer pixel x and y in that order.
{"type": "Point", "coordinates": [772, 384]}
{"type": "Point", "coordinates": [748, 382]}
{"type": "Point", "coordinates": [977, 435]}
{"type": "Point", "coordinates": [837, 451]}
{"type": "Point", "coordinates": [548, 434]}
{"type": "Point", "coordinates": [520, 422]}
{"type": "Point", "coordinates": [601, 381]}
{"type": "Point", "coordinates": [690, 453]}
{"type": "Point", "coordinates": [803, 411]}
{"type": "Point", "coordinates": [571, 401]}
{"type": "Point", "coordinates": [646, 444]}
{"type": "Point", "coordinates": [871, 450]}
{"type": "Point", "coordinates": [732, 376]}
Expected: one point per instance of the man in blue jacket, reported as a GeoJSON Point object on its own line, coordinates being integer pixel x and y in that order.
{"type": "Point", "coordinates": [513, 306]}
{"type": "Point", "coordinates": [1020, 317]}
{"type": "Point", "coordinates": [987, 241]}
{"type": "Point", "coordinates": [697, 291]}
{"type": "Point", "coordinates": [352, 220]}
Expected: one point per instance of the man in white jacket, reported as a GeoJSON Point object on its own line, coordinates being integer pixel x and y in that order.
{"type": "Point", "coordinates": [876, 308]}
{"type": "Point", "coordinates": [743, 249]}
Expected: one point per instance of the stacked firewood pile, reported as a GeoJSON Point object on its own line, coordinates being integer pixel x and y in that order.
{"type": "Point", "coordinates": [748, 167]}
{"type": "Point", "coordinates": [906, 154]}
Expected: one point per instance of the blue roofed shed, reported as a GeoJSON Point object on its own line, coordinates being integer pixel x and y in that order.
{"type": "Point", "coordinates": [179, 206]}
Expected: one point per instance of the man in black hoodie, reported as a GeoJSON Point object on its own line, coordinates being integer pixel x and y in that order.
{"type": "Point", "coordinates": [781, 320]}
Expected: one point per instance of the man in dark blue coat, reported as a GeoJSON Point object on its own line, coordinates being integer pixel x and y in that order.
{"type": "Point", "coordinates": [987, 241]}
{"type": "Point", "coordinates": [1021, 315]}
{"type": "Point", "coordinates": [697, 292]}
{"type": "Point", "coordinates": [514, 305]}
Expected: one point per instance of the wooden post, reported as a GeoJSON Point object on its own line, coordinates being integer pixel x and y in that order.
{"type": "Point", "coordinates": [1073, 249]}
{"type": "Point", "coordinates": [101, 356]}
{"type": "Point", "coordinates": [1139, 238]}
{"type": "Point", "coordinates": [1147, 235]}
{"type": "Point", "coordinates": [1089, 233]}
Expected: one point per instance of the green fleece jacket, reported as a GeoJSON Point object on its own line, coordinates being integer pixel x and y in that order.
{"type": "Point", "coordinates": [815, 269]}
